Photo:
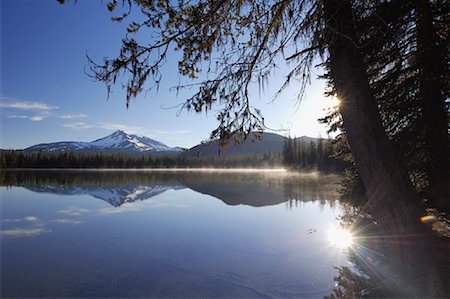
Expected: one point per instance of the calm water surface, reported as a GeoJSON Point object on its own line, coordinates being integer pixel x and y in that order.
{"type": "Point", "coordinates": [207, 234]}
{"type": "Point", "coordinates": [167, 234]}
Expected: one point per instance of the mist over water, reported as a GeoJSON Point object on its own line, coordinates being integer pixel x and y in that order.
{"type": "Point", "coordinates": [204, 233]}
{"type": "Point", "coordinates": [167, 234]}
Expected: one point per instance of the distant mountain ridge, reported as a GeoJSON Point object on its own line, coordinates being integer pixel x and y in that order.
{"type": "Point", "coordinates": [269, 142]}
{"type": "Point", "coordinates": [123, 143]}
{"type": "Point", "coordinates": [117, 142]}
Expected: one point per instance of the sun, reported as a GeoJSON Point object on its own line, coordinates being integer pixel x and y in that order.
{"type": "Point", "coordinates": [327, 104]}
{"type": "Point", "coordinates": [332, 102]}
{"type": "Point", "coordinates": [339, 237]}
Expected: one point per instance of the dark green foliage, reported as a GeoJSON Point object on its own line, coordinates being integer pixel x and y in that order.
{"type": "Point", "coordinates": [352, 189]}
{"type": "Point", "coordinates": [401, 58]}
{"type": "Point", "coordinates": [236, 43]}
{"type": "Point", "coordinates": [350, 284]}
{"type": "Point", "coordinates": [18, 159]}
{"type": "Point", "coordinates": [403, 47]}
{"type": "Point", "coordinates": [319, 155]}
{"type": "Point", "coordinates": [408, 70]}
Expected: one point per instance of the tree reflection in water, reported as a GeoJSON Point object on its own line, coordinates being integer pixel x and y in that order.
{"type": "Point", "coordinates": [253, 188]}
{"type": "Point", "coordinates": [392, 257]}
{"type": "Point", "coordinates": [392, 254]}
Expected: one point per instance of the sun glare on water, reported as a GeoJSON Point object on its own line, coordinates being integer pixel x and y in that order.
{"type": "Point", "coordinates": [339, 237]}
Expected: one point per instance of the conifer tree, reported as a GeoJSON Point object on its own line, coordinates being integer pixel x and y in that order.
{"type": "Point", "coordinates": [241, 42]}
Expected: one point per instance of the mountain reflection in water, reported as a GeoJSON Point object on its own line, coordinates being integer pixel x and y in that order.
{"type": "Point", "coordinates": [119, 187]}
{"type": "Point", "coordinates": [164, 234]}
{"type": "Point", "coordinates": [388, 256]}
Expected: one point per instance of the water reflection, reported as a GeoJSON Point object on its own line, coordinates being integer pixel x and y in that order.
{"type": "Point", "coordinates": [263, 189]}
{"type": "Point", "coordinates": [120, 187]}
{"type": "Point", "coordinates": [393, 257]}
{"type": "Point", "coordinates": [116, 188]}
{"type": "Point", "coordinates": [60, 240]}
{"type": "Point", "coordinates": [163, 234]}
{"type": "Point", "coordinates": [340, 237]}
{"type": "Point", "coordinates": [30, 226]}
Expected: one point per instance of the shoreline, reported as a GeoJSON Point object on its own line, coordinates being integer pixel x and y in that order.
{"type": "Point", "coordinates": [266, 171]}
{"type": "Point", "coordinates": [197, 169]}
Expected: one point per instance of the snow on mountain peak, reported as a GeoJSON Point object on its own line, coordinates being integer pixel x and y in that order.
{"type": "Point", "coordinates": [122, 140]}
{"type": "Point", "coordinates": [119, 140]}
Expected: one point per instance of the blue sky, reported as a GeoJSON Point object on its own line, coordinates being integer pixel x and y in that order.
{"type": "Point", "coordinates": [46, 95]}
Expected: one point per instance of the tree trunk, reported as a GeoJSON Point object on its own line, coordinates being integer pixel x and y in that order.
{"type": "Point", "coordinates": [432, 72]}
{"type": "Point", "coordinates": [383, 177]}
{"type": "Point", "coordinates": [390, 192]}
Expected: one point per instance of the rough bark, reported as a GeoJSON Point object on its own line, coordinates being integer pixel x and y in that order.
{"type": "Point", "coordinates": [432, 71]}
{"type": "Point", "coordinates": [374, 156]}
{"type": "Point", "coordinates": [385, 180]}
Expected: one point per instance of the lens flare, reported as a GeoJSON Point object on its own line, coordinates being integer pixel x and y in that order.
{"type": "Point", "coordinates": [335, 102]}
{"type": "Point", "coordinates": [339, 237]}
{"type": "Point", "coordinates": [427, 219]}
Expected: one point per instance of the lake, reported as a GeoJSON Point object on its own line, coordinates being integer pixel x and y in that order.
{"type": "Point", "coordinates": [263, 234]}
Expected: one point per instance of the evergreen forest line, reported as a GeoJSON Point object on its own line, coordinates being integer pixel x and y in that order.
{"type": "Point", "coordinates": [296, 155]}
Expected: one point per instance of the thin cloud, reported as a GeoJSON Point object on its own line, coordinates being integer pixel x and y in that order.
{"type": "Point", "coordinates": [24, 232]}
{"type": "Point", "coordinates": [12, 220]}
{"type": "Point", "coordinates": [122, 209]}
{"type": "Point", "coordinates": [32, 226]}
{"type": "Point", "coordinates": [66, 221]}
{"type": "Point", "coordinates": [72, 116]}
{"type": "Point", "coordinates": [74, 211]}
{"type": "Point", "coordinates": [25, 105]}
{"type": "Point", "coordinates": [77, 125]}
{"type": "Point", "coordinates": [17, 116]}
{"type": "Point", "coordinates": [37, 118]}
{"type": "Point", "coordinates": [29, 226]}
{"type": "Point", "coordinates": [37, 111]}
{"type": "Point", "coordinates": [32, 118]}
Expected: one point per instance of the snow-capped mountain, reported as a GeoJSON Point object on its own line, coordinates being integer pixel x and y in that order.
{"type": "Point", "coordinates": [115, 196]}
{"type": "Point", "coordinates": [118, 141]}
{"type": "Point", "coordinates": [122, 140]}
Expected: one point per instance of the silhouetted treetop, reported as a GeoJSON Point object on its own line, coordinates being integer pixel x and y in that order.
{"type": "Point", "coordinates": [231, 43]}
{"type": "Point", "coordinates": [228, 45]}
